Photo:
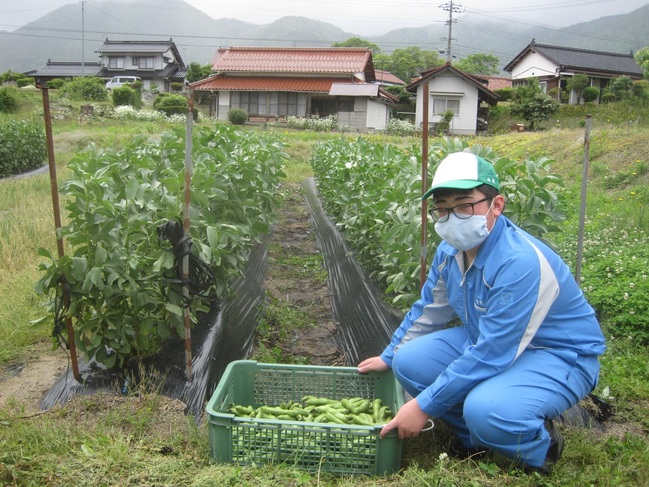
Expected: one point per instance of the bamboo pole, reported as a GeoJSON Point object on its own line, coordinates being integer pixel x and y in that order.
{"type": "Point", "coordinates": [186, 294]}
{"type": "Point", "coordinates": [57, 224]}
{"type": "Point", "coordinates": [584, 193]}
{"type": "Point", "coordinates": [424, 187]}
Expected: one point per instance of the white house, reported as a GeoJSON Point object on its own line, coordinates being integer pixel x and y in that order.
{"type": "Point", "coordinates": [466, 95]}
{"type": "Point", "coordinates": [553, 66]}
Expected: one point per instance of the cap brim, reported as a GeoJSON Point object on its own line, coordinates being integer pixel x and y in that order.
{"type": "Point", "coordinates": [457, 184]}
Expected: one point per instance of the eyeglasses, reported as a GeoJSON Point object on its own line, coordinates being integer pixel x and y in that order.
{"type": "Point", "coordinates": [463, 211]}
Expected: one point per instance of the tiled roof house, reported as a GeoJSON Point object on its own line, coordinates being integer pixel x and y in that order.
{"type": "Point", "coordinates": [554, 65]}
{"type": "Point", "coordinates": [156, 62]}
{"type": "Point", "coordinates": [270, 83]}
{"type": "Point", "coordinates": [450, 89]}
{"type": "Point", "coordinates": [64, 70]}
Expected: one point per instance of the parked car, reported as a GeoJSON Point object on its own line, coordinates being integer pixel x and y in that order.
{"type": "Point", "coordinates": [117, 81]}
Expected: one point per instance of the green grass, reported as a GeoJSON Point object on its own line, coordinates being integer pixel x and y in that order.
{"type": "Point", "coordinates": [91, 442]}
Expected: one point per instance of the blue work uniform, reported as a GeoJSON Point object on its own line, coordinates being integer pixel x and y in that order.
{"type": "Point", "coordinates": [525, 349]}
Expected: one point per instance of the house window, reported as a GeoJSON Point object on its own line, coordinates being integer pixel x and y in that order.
{"type": "Point", "coordinates": [544, 86]}
{"type": "Point", "coordinates": [287, 104]}
{"type": "Point", "coordinates": [345, 104]}
{"type": "Point", "coordinates": [144, 62]}
{"type": "Point", "coordinates": [253, 102]}
{"type": "Point", "coordinates": [441, 105]}
{"type": "Point", "coordinates": [116, 62]}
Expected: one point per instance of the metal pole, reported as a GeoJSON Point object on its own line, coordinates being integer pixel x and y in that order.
{"type": "Point", "coordinates": [188, 178]}
{"type": "Point", "coordinates": [424, 186]}
{"type": "Point", "coordinates": [582, 211]}
{"type": "Point", "coordinates": [57, 224]}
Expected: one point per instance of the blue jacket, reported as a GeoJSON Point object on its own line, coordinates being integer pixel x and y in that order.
{"type": "Point", "coordinates": [517, 294]}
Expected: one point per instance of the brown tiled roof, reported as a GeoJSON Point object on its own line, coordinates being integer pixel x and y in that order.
{"type": "Point", "coordinates": [339, 60]}
{"type": "Point", "coordinates": [387, 77]}
{"type": "Point", "coordinates": [266, 83]}
{"type": "Point", "coordinates": [497, 82]}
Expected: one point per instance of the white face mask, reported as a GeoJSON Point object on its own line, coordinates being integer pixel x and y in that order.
{"type": "Point", "coordinates": [464, 234]}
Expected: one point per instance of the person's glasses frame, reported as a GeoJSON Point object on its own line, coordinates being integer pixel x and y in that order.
{"type": "Point", "coordinates": [462, 211]}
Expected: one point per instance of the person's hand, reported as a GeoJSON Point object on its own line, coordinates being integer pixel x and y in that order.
{"type": "Point", "coordinates": [409, 421]}
{"type": "Point", "coordinates": [373, 364]}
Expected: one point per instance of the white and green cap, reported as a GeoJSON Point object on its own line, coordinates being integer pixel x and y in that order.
{"type": "Point", "coordinates": [463, 170]}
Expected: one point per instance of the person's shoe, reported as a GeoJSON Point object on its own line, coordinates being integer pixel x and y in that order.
{"type": "Point", "coordinates": [554, 452]}
{"type": "Point", "coordinates": [459, 451]}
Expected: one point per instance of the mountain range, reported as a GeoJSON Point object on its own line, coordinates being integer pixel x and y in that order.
{"type": "Point", "coordinates": [66, 35]}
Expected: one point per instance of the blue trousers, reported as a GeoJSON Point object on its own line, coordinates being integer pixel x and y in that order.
{"type": "Point", "coordinates": [504, 413]}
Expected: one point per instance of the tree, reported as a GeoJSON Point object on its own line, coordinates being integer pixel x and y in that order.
{"type": "Point", "coordinates": [577, 84]}
{"type": "Point", "coordinates": [484, 64]}
{"type": "Point", "coordinates": [622, 87]}
{"type": "Point", "coordinates": [532, 104]}
{"type": "Point", "coordinates": [358, 42]}
{"type": "Point", "coordinates": [408, 62]}
{"type": "Point", "coordinates": [196, 72]}
{"type": "Point", "coordinates": [642, 58]}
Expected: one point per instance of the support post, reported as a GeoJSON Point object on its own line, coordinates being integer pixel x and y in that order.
{"type": "Point", "coordinates": [584, 196]}
{"type": "Point", "coordinates": [57, 224]}
{"type": "Point", "coordinates": [186, 293]}
{"type": "Point", "coordinates": [424, 187]}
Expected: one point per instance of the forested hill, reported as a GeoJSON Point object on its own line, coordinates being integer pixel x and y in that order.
{"type": "Point", "coordinates": [58, 35]}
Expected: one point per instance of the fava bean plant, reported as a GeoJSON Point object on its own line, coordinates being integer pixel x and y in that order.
{"type": "Point", "coordinates": [115, 202]}
{"type": "Point", "coordinates": [373, 193]}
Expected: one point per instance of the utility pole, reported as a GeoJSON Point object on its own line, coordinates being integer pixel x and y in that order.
{"type": "Point", "coordinates": [83, 38]}
{"type": "Point", "coordinates": [451, 8]}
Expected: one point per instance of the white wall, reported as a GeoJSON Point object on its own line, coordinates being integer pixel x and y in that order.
{"type": "Point", "coordinates": [223, 107]}
{"type": "Point", "coordinates": [533, 65]}
{"type": "Point", "coordinates": [377, 115]}
{"type": "Point", "coordinates": [447, 85]}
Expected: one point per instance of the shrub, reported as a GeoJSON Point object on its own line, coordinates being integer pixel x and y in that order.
{"type": "Point", "coordinates": [8, 99]}
{"type": "Point", "coordinates": [445, 122]}
{"type": "Point", "coordinates": [533, 105]}
{"type": "Point", "coordinates": [505, 94]}
{"type": "Point", "coordinates": [22, 82]}
{"type": "Point", "coordinates": [172, 104]}
{"type": "Point", "coordinates": [237, 116]}
{"type": "Point", "coordinates": [22, 146]}
{"type": "Point", "coordinates": [85, 89]}
{"type": "Point", "coordinates": [590, 94]}
{"type": "Point", "coordinates": [125, 95]}
{"type": "Point", "coordinates": [326, 124]}
{"type": "Point", "coordinates": [401, 128]}
{"type": "Point", "coordinates": [177, 86]}
{"type": "Point", "coordinates": [55, 83]}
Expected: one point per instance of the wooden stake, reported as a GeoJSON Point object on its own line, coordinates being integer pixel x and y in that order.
{"type": "Point", "coordinates": [57, 224]}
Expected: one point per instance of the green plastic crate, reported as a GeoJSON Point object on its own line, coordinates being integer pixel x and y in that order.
{"type": "Point", "coordinates": [334, 448]}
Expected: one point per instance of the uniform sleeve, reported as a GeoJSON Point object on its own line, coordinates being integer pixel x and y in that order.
{"type": "Point", "coordinates": [517, 302]}
{"type": "Point", "coordinates": [430, 312]}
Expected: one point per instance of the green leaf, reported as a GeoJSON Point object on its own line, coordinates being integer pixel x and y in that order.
{"type": "Point", "coordinates": [172, 308]}
{"type": "Point", "coordinates": [212, 237]}
{"type": "Point", "coordinates": [79, 266]}
{"type": "Point", "coordinates": [132, 188]}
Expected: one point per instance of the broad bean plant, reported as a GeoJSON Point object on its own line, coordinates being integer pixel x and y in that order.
{"type": "Point", "coordinates": [117, 199]}
{"type": "Point", "coordinates": [373, 193]}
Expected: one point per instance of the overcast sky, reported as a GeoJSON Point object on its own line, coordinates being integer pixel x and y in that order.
{"type": "Point", "coordinates": [362, 17]}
